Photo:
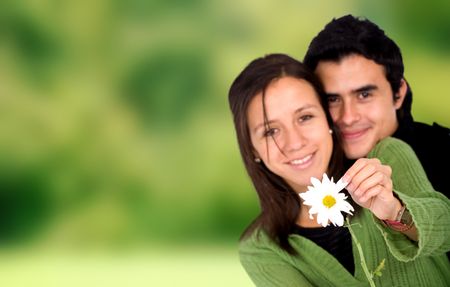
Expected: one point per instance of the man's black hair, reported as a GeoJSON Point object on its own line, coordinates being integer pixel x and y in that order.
{"type": "Point", "coordinates": [350, 35]}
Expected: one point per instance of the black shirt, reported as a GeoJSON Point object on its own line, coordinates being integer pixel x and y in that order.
{"type": "Point", "coordinates": [335, 240]}
{"type": "Point", "coordinates": [432, 146]}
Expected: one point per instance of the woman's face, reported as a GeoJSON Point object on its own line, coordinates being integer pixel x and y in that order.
{"type": "Point", "coordinates": [296, 144]}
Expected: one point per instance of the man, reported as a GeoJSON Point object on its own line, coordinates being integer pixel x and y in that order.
{"type": "Point", "coordinates": [369, 98]}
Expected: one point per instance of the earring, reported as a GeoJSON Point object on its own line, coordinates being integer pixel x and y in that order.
{"type": "Point", "coordinates": [257, 160]}
{"type": "Point", "coordinates": [330, 131]}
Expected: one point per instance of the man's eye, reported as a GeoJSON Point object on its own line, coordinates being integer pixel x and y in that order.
{"type": "Point", "coordinates": [364, 95]}
{"type": "Point", "coordinates": [333, 99]}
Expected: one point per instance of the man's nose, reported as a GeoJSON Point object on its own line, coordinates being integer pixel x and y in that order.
{"type": "Point", "coordinates": [349, 114]}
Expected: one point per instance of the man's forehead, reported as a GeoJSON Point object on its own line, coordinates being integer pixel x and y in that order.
{"type": "Point", "coordinates": [350, 74]}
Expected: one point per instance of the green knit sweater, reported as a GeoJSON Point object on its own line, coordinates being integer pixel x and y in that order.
{"type": "Point", "coordinates": [407, 263]}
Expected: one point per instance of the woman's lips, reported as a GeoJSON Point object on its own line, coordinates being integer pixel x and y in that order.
{"type": "Point", "coordinates": [301, 163]}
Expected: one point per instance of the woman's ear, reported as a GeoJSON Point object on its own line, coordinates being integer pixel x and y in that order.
{"type": "Point", "coordinates": [399, 97]}
{"type": "Point", "coordinates": [256, 156]}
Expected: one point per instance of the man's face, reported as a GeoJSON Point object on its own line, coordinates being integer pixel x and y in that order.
{"type": "Point", "coordinates": [360, 101]}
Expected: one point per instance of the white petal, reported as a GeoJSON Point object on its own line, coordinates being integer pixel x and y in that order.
{"type": "Point", "coordinates": [340, 185]}
{"type": "Point", "coordinates": [322, 218]}
{"type": "Point", "coordinates": [338, 219]}
{"type": "Point", "coordinates": [325, 179]}
{"type": "Point", "coordinates": [313, 210]}
{"type": "Point", "coordinates": [316, 183]}
{"type": "Point", "coordinates": [314, 198]}
{"type": "Point", "coordinates": [346, 207]}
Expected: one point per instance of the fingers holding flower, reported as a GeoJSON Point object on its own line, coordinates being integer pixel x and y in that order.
{"type": "Point", "coordinates": [370, 186]}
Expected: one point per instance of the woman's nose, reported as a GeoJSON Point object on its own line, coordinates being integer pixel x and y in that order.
{"type": "Point", "coordinates": [295, 140]}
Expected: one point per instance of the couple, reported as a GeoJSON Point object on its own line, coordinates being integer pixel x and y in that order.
{"type": "Point", "coordinates": [291, 127]}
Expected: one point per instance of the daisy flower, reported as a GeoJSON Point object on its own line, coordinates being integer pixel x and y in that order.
{"type": "Point", "coordinates": [326, 201]}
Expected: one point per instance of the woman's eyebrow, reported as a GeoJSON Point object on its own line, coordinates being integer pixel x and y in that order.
{"type": "Point", "coordinates": [297, 111]}
{"type": "Point", "coordinates": [305, 107]}
{"type": "Point", "coordinates": [262, 125]}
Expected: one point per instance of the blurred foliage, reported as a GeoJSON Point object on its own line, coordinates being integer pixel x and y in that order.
{"type": "Point", "coordinates": [114, 121]}
{"type": "Point", "coordinates": [166, 87]}
{"type": "Point", "coordinates": [25, 204]}
{"type": "Point", "coordinates": [424, 25]}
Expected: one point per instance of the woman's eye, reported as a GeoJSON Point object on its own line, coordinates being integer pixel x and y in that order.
{"type": "Point", "coordinates": [270, 132]}
{"type": "Point", "coordinates": [305, 118]}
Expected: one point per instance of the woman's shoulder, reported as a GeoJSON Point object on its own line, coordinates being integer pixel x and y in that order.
{"type": "Point", "coordinates": [258, 241]}
{"type": "Point", "coordinates": [254, 239]}
{"type": "Point", "coordinates": [258, 248]}
{"type": "Point", "coordinates": [253, 245]}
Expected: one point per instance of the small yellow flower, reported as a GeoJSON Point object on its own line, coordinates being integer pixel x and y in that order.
{"type": "Point", "coordinates": [326, 201]}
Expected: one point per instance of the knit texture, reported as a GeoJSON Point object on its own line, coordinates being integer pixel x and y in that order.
{"type": "Point", "coordinates": [407, 263]}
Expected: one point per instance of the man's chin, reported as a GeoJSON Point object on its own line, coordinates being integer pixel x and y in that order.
{"type": "Point", "coordinates": [355, 153]}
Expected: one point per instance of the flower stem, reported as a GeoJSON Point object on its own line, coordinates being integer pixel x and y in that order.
{"type": "Point", "coordinates": [361, 255]}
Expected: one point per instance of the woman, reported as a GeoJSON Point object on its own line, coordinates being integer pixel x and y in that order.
{"type": "Point", "coordinates": [285, 138]}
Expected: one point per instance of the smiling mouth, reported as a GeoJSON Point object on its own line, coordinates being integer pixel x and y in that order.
{"type": "Point", "coordinates": [353, 135]}
{"type": "Point", "coordinates": [301, 161]}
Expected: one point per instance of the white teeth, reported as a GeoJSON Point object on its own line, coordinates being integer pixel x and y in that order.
{"type": "Point", "coordinates": [300, 161]}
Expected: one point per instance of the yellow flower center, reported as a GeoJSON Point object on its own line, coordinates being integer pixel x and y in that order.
{"type": "Point", "coordinates": [329, 201]}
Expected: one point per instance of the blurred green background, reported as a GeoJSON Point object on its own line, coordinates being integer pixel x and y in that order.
{"type": "Point", "coordinates": [118, 159]}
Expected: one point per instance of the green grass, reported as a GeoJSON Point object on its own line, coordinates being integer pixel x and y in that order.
{"type": "Point", "coordinates": [191, 266]}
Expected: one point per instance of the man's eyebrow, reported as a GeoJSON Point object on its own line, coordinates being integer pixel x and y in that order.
{"type": "Point", "coordinates": [328, 95]}
{"type": "Point", "coordinates": [365, 88]}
